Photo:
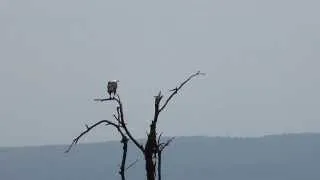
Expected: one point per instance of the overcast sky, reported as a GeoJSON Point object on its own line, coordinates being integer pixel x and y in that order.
{"type": "Point", "coordinates": [56, 56]}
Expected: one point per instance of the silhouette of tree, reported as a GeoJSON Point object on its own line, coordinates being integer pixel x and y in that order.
{"type": "Point", "coordinates": [153, 148]}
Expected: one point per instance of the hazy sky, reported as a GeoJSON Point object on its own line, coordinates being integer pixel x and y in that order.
{"type": "Point", "coordinates": [261, 59]}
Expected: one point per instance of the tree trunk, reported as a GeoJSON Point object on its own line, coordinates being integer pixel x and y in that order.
{"type": "Point", "coordinates": [150, 152]}
{"type": "Point", "coordinates": [150, 166]}
{"type": "Point", "coordinates": [124, 141]}
{"type": "Point", "coordinates": [159, 165]}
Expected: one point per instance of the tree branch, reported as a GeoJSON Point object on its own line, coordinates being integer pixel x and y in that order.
{"type": "Point", "coordinates": [124, 141]}
{"type": "Point", "coordinates": [132, 164]}
{"type": "Point", "coordinates": [175, 90]}
{"type": "Point", "coordinates": [159, 138]}
{"type": "Point", "coordinates": [121, 119]}
{"type": "Point", "coordinates": [89, 128]}
{"type": "Point", "coordinates": [162, 146]}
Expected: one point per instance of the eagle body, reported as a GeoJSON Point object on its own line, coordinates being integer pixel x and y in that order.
{"type": "Point", "coordinates": [112, 87]}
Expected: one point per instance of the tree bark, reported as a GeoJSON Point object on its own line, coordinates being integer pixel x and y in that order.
{"type": "Point", "coordinates": [150, 152]}
{"type": "Point", "coordinates": [150, 166]}
{"type": "Point", "coordinates": [124, 141]}
{"type": "Point", "coordinates": [159, 164]}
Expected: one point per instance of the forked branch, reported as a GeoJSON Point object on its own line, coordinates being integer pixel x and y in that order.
{"type": "Point", "coordinates": [120, 118]}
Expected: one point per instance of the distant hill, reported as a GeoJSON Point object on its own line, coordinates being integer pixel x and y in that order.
{"type": "Point", "coordinates": [276, 157]}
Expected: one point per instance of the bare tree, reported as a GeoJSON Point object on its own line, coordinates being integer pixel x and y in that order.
{"type": "Point", "coordinates": [152, 150]}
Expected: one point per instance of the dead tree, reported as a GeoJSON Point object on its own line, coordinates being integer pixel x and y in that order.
{"type": "Point", "coordinates": [152, 149]}
{"type": "Point", "coordinates": [117, 126]}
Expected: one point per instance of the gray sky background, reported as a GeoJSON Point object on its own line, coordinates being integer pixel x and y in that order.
{"type": "Point", "coordinates": [261, 60]}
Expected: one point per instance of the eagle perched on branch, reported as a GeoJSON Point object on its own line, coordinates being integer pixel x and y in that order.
{"type": "Point", "coordinates": [112, 87]}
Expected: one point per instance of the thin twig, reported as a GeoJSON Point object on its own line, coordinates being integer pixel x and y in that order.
{"type": "Point", "coordinates": [159, 137]}
{"type": "Point", "coordinates": [162, 146]}
{"type": "Point", "coordinates": [132, 164]}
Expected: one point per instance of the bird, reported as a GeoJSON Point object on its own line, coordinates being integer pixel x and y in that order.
{"type": "Point", "coordinates": [112, 87]}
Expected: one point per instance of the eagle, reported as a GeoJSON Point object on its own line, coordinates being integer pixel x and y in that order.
{"type": "Point", "coordinates": [112, 87]}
